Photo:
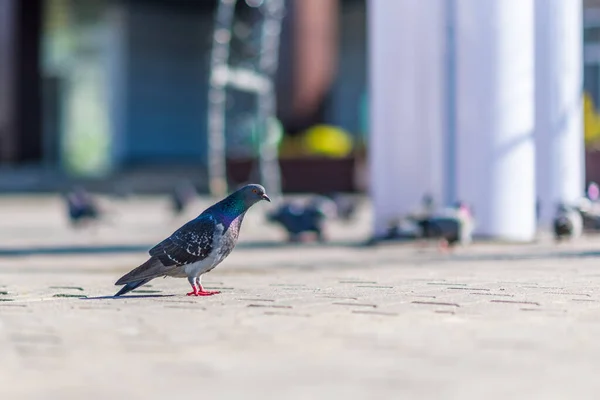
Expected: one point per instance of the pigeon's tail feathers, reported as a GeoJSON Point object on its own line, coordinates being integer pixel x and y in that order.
{"type": "Point", "coordinates": [153, 268]}
{"type": "Point", "coordinates": [131, 286]}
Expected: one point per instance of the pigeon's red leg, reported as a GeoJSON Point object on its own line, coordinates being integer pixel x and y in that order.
{"type": "Point", "coordinates": [194, 292]}
{"type": "Point", "coordinates": [197, 288]}
{"type": "Point", "coordinates": [203, 292]}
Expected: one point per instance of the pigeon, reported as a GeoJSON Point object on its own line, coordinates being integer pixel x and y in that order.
{"type": "Point", "coordinates": [453, 226]}
{"type": "Point", "coordinates": [299, 218]}
{"type": "Point", "coordinates": [568, 223]}
{"type": "Point", "coordinates": [182, 196]}
{"type": "Point", "coordinates": [400, 229]}
{"type": "Point", "coordinates": [589, 212]}
{"type": "Point", "coordinates": [413, 226]}
{"type": "Point", "coordinates": [199, 245]}
{"type": "Point", "coordinates": [81, 207]}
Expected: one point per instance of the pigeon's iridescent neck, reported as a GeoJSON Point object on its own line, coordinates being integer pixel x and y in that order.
{"type": "Point", "coordinates": [228, 209]}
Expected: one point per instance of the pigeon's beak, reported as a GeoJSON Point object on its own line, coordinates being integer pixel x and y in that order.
{"type": "Point", "coordinates": [265, 197]}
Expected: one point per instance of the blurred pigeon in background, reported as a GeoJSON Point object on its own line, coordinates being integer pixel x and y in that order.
{"type": "Point", "coordinates": [589, 207]}
{"type": "Point", "coordinates": [299, 218]}
{"type": "Point", "coordinates": [567, 224]}
{"type": "Point", "coordinates": [400, 229]}
{"type": "Point", "coordinates": [590, 213]}
{"type": "Point", "coordinates": [453, 226]}
{"type": "Point", "coordinates": [182, 196]}
{"type": "Point", "coordinates": [81, 207]}
{"type": "Point", "coordinates": [198, 246]}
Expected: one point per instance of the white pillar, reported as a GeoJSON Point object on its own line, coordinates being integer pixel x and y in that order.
{"type": "Point", "coordinates": [559, 115]}
{"type": "Point", "coordinates": [406, 72]}
{"type": "Point", "coordinates": [495, 115]}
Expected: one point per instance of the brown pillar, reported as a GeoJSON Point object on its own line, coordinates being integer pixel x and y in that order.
{"type": "Point", "coordinates": [8, 151]}
{"type": "Point", "coordinates": [316, 49]}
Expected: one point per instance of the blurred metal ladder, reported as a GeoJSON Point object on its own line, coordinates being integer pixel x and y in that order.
{"type": "Point", "coordinates": [258, 81]}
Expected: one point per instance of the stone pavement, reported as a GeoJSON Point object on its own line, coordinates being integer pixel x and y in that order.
{"type": "Point", "coordinates": [493, 321]}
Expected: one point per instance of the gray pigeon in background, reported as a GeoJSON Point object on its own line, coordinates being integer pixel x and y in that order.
{"type": "Point", "coordinates": [453, 226]}
{"type": "Point", "coordinates": [198, 246]}
{"type": "Point", "coordinates": [297, 218]}
{"type": "Point", "coordinates": [81, 207]}
{"type": "Point", "coordinates": [567, 224]}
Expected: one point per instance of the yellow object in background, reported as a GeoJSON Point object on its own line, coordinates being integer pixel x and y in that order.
{"type": "Point", "coordinates": [328, 141]}
{"type": "Point", "coordinates": [591, 122]}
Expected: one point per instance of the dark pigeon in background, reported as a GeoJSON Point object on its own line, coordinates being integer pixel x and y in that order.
{"type": "Point", "coordinates": [182, 196]}
{"type": "Point", "coordinates": [81, 207]}
{"type": "Point", "coordinates": [198, 246]}
{"type": "Point", "coordinates": [567, 224]}
{"type": "Point", "coordinates": [453, 226]}
{"type": "Point", "coordinates": [297, 218]}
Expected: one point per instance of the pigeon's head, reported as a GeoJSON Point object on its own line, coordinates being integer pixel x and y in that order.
{"type": "Point", "coordinates": [252, 194]}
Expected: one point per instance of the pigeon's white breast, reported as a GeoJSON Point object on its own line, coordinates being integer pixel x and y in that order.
{"type": "Point", "coordinates": [200, 267]}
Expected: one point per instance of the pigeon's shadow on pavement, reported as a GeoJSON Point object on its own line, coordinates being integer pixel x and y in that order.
{"type": "Point", "coordinates": [73, 250]}
{"type": "Point", "coordinates": [131, 296]}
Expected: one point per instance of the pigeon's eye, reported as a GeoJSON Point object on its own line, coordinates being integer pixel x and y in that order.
{"type": "Point", "coordinates": [254, 191]}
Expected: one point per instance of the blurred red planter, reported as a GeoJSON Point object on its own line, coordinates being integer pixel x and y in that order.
{"type": "Point", "coordinates": [592, 166]}
{"type": "Point", "coordinates": [319, 175]}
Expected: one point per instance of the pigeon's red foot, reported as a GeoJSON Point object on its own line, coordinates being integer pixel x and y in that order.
{"type": "Point", "coordinates": [208, 293]}
{"type": "Point", "coordinates": [202, 292]}
{"type": "Point", "coordinates": [194, 292]}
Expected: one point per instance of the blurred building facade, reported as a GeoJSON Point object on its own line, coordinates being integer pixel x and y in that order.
{"type": "Point", "coordinates": [101, 87]}
{"type": "Point", "coordinates": [97, 87]}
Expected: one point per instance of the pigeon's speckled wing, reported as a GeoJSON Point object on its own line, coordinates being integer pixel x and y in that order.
{"type": "Point", "coordinates": [191, 243]}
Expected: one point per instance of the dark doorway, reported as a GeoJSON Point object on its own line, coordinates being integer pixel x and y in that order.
{"type": "Point", "coordinates": [28, 121]}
